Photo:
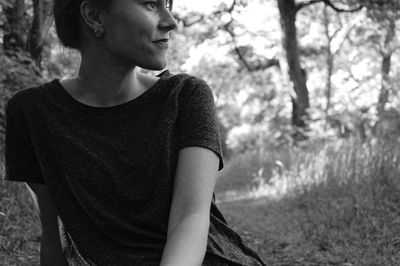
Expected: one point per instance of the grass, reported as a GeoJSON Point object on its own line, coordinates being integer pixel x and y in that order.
{"type": "Point", "coordinates": [343, 198]}
{"type": "Point", "coordinates": [331, 204]}
{"type": "Point", "coordinates": [351, 207]}
{"type": "Point", "coordinates": [19, 226]}
{"type": "Point", "coordinates": [250, 170]}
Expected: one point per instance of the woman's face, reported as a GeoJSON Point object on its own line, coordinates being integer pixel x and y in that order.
{"type": "Point", "coordinates": [137, 32]}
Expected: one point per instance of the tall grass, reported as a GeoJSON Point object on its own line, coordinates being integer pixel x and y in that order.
{"type": "Point", "coordinates": [19, 226]}
{"type": "Point", "coordinates": [344, 196]}
{"type": "Point", "coordinates": [249, 171]}
{"type": "Point", "coordinates": [349, 197]}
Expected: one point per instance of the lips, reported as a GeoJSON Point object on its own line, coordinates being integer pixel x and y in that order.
{"type": "Point", "coordinates": [162, 40]}
{"type": "Point", "coordinates": [163, 43]}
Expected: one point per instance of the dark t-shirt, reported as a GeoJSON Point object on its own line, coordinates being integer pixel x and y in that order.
{"type": "Point", "coordinates": [110, 170]}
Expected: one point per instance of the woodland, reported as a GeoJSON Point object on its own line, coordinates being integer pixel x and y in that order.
{"type": "Point", "coordinates": [282, 71]}
{"type": "Point", "coordinates": [309, 115]}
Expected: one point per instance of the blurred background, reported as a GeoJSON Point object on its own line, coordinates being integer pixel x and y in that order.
{"type": "Point", "coordinates": [309, 112]}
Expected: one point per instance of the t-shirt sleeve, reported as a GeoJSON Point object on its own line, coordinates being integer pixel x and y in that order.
{"type": "Point", "coordinates": [198, 122]}
{"type": "Point", "coordinates": [21, 163]}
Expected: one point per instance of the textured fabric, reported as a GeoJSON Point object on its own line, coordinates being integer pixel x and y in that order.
{"type": "Point", "coordinates": [110, 170]}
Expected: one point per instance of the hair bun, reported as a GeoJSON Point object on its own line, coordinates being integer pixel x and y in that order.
{"type": "Point", "coordinates": [67, 19]}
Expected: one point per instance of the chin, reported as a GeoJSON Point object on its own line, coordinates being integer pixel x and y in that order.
{"type": "Point", "coordinates": [154, 65]}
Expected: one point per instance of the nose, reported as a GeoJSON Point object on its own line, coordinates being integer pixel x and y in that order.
{"type": "Point", "coordinates": [167, 21]}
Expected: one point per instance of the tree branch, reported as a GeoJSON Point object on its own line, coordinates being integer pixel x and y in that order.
{"type": "Point", "coordinates": [328, 3]}
{"type": "Point", "coordinates": [346, 37]}
{"type": "Point", "coordinates": [232, 7]}
{"type": "Point", "coordinates": [305, 4]}
{"type": "Point", "coordinates": [189, 22]}
{"type": "Point", "coordinates": [261, 64]}
{"type": "Point", "coordinates": [251, 67]}
{"type": "Point", "coordinates": [338, 9]}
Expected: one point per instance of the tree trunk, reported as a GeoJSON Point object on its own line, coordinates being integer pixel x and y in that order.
{"type": "Point", "coordinates": [288, 11]}
{"type": "Point", "coordinates": [15, 35]}
{"type": "Point", "coordinates": [329, 61]}
{"type": "Point", "coordinates": [386, 52]}
{"type": "Point", "coordinates": [41, 9]}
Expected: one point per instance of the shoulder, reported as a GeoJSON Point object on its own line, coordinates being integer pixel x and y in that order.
{"type": "Point", "coordinates": [23, 104]}
{"type": "Point", "coordinates": [189, 80]}
{"type": "Point", "coordinates": [189, 85]}
{"type": "Point", "coordinates": [27, 96]}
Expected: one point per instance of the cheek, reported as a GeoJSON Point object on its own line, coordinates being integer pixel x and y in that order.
{"type": "Point", "coordinates": [129, 34]}
{"type": "Point", "coordinates": [131, 29]}
{"type": "Point", "coordinates": [123, 40]}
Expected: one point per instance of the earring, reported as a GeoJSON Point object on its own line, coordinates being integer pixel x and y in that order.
{"type": "Point", "coordinates": [98, 31]}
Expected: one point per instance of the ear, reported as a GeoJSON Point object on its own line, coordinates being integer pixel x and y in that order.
{"type": "Point", "coordinates": [90, 15]}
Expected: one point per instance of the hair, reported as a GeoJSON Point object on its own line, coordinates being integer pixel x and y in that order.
{"type": "Point", "coordinates": [67, 19]}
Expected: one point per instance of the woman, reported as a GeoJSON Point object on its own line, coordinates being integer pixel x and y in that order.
{"type": "Point", "coordinates": [122, 164]}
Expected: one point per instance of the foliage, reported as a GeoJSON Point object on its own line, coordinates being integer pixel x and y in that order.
{"type": "Point", "coordinates": [241, 172]}
{"type": "Point", "coordinates": [264, 116]}
{"type": "Point", "coordinates": [381, 10]}
{"type": "Point", "coordinates": [58, 61]}
{"type": "Point", "coordinates": [254, 104]}
{"type": "Point", "coordinates": [346, 193]}
{"type": "Point", "coordinates": [19, 226]}
{"type": "Point", "coordinates": [342, 198]}
{"type": "Point", "coordinates": [349, 200]}
{"type": "Point", "coordinates": [3, 4]}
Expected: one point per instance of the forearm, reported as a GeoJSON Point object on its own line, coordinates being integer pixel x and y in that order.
{"type": "Point", "coordinates": [187, 242]}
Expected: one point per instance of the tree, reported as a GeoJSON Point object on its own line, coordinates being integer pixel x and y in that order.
{"type": "Point", "coordinates": [300, 100]}
{"type": "Point", "coordinates": [385, 13]}
{"type": "Point", "coordinates": [41, 23]}
{"type": "Point", "coordinates": [288, 10]}
{"type": "Point", "coordinates": [330, 53]}
{"type": "Point", "coordinates": [386, 51]}
{"type": "Point", "coordinates": [244, 54]}
{"type": "Point", "coordinates": [18, 68]}
{"type": "Point", "coordinates": [15, 34]}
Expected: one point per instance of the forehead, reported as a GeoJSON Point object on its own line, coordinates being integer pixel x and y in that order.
{"type": "Point", "coordinates": [112, 4]}
{"type": "Point", "coordinates": [166, 2]}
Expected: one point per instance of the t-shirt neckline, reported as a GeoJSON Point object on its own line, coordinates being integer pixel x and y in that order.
{"type": "Point", "coordinates": [75, 104]}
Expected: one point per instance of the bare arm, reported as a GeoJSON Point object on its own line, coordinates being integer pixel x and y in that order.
{"type": "Point", "coordinates": [190, 208]}
{"type": "Point", "coordinates": [50, 248]}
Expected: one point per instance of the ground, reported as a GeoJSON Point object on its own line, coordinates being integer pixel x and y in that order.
{"type": "Point", "coordinates": [269, 228]}
{"type": "Point", "coordinates": [268, 225]}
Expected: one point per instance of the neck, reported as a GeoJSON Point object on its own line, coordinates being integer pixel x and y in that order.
{"type": "Point", "coordinates": [105, 83]}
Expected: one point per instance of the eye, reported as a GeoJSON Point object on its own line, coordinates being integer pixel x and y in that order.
{"type": "Point", "coordinates": [151, 4]}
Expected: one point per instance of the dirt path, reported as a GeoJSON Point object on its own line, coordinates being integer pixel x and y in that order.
{"type": "Point", "coordinates": [268, 228]}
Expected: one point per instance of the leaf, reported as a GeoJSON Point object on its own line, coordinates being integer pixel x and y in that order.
{"type": "Point", "coordinates": [5, 3]}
